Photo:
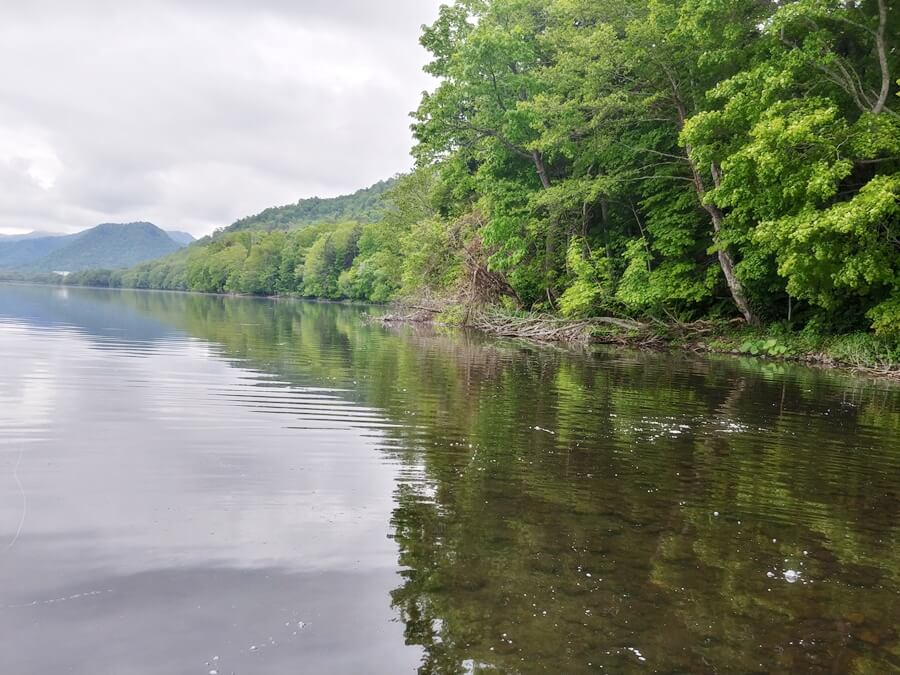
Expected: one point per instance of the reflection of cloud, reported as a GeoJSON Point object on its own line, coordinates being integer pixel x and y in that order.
{"type": "Point", "coordinates": [195, 619]}
{"type": "Point", "coordinates": [157, 463]}
{"type": "Point", "coordinates": [184, 511]}
{"type": "Point", "coordinates": [28, 387]}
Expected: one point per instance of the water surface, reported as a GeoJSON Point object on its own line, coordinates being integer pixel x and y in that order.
{"type": "Point", "coordinates": [193, 483]}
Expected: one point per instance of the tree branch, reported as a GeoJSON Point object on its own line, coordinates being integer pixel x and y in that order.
{"type": "Point", "coordinates": [509, 145]}
{"type": "Point", "coordinates": [679, 158]}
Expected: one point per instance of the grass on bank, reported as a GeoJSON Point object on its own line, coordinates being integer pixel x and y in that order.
{"type": "Point", "coordinates": [858, 350]}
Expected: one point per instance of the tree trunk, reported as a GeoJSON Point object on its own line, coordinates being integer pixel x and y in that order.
{"type": "Point", "coordinates": [881, 50]}
{"type": "Point", "coordinates": [538, 159]}
{"type": "Point", "coordinates": [726, 262]}
{"type": "Point", "coordinates": [549, 242]}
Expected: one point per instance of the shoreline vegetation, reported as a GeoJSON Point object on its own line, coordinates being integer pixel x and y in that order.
{"type": "Point", "coordinates": [858, 353]}
{"type": "Point", "coordinates": [711, 176]}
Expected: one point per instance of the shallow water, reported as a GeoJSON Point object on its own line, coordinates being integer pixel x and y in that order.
{"type": "Point", "coordinates": [192, 484]}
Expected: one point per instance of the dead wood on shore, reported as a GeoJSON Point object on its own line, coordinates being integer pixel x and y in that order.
{"type": "Point", "coordinates": [537, 327]}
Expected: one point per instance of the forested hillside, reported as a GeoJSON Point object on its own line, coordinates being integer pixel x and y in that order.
{"type": "Point", "coordinates": [20, 252]}
{"type": "Point", "coordinates": [361, 206]}
{"type": "Point", "coordinates": [675, 160]}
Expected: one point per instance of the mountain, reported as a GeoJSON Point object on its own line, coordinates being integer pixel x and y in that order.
{"type": "Point", "coordinates": [28, 235]}
{"type": "Point", "coordinates": [363, 206]}
{"type": "Point", "coordinates": [110, 245]}
{"type": "Point", "coordinates": [183, 238]}
{"type": "Point", "coordinates": [19, 253]}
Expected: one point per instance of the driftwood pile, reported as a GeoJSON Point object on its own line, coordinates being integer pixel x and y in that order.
{"type": "Point", "coordinates": [480, 285]}
{"type": "Point", "coordinates": [543, 328]}
{"type": "Point", "coordinates": [540, 327]}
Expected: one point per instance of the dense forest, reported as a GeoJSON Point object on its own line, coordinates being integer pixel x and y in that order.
{"type": "Point", "coordinates": [671, 159]}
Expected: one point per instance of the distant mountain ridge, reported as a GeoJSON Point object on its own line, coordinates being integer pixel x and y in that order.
{"type": "Point", "coordinates": [363, 206]}
{"type": "Point", "coordinates": [20, 253]}
{"type": "Point", "coordinates": [109, 245]}
{"type": "Point", "coordinates": [29, 235]}
{"type": "Point", "coordinates": [181, 237]}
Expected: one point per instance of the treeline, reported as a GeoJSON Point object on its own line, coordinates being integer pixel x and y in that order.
{"type": "Point", "coordinates": [375, 261]}
{"type": "Point", "coordinates": [682, 159]}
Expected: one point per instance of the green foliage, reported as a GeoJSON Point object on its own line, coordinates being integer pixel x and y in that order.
{"type": "Point", "coordinates": [259, 270]}
{"type": "Point", "coordinates": [769, 347]}
{"type": "Point", "coordinates": [592, 285]}
{"type": "Point", "coordinates": [885, 316]}
{"type": "Point", "coordinates": [864, 349]}
{"type": "Point", "coordinates": [384, 247]}
{"type": "Point", "coordinates": [327, 259]}
{"type": "Point", "coordinates": [99, 278]}
{"type": "Point", "coordinates": [430, 263]}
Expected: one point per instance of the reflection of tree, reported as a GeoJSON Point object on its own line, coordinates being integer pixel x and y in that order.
{"type": "Point", "coordinates": [526, 550]}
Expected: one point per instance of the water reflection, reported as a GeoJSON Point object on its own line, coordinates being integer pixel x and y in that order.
{"type": "Point", "coordinates": [175, 507]}
{"type": "Point", "coordinates": [548, 510]}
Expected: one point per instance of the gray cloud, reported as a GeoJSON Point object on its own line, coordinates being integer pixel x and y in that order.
{"type": "Point", "coordinates": [192, 115]}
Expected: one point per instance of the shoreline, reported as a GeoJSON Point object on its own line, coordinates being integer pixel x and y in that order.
{"type": "Point", "coordinates": [702, 337]}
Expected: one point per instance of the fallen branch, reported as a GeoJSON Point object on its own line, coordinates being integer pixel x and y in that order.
{"type": "Point", "coordinates": [543, 328]}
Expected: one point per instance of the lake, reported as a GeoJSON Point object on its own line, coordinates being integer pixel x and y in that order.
{"type": "Point", "coordinates": [197, 484]}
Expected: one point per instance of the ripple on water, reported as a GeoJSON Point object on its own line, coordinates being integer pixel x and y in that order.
{"type": "Point", "coordinates": [428, 499]}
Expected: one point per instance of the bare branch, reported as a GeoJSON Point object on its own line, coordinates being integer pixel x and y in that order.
{"type": "Point", "coordinates": [680, 158]}
{"type": "Point", "coordinates": [496, 89]}
{"type": "Point", "coordinates": [509, 145]}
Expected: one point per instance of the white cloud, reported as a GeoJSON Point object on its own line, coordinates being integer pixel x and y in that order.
{"type": "Point", "coordinates": [192, 115]}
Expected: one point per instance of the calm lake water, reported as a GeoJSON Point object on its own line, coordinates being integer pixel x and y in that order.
{"type": "Point", "coordinates": [192, 484]}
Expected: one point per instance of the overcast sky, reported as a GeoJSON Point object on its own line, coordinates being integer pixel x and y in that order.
{"type": "Point", "coordinates": [193, 113]}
